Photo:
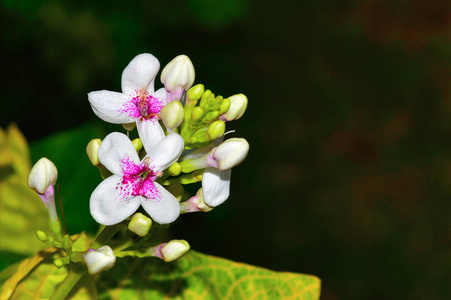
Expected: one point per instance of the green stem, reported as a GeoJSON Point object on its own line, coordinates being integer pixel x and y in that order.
{"type": "Point", "coordinates": [105, 235]}
{"type": "Point", "coordinates": [68, 284]}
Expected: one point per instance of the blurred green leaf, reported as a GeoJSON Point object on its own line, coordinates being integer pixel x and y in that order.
{"type": "Point", "coordinates": [21, 210]}
{"type": "Point", "coordinates": [77, 178]}
{"type": "Point", "coordinates": [199, 276]}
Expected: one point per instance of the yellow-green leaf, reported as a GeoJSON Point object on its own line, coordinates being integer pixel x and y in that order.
{"type": "Point", "coordinates": [21, 210]}
{"type": "Point", "coordinates": [23, 270]}
{"type": "Point", "coordinates": [199, 276]}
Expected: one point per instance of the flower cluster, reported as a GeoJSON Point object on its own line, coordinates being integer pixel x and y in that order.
{"type": "Point", "coordinates": [181, 130]}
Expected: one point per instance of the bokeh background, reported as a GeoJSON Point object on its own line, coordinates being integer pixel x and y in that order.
{"type": "Point", "coordinates": [349, 173]}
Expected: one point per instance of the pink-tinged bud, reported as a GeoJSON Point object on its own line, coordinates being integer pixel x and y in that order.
{"type": "Point", "coordinates": [178, 75]}
{"type": "Point", "coordinates": [238, 105]}
{"type": "Point", "coordinates": [195, 204]}
{"type": "Point", "coordinates": [99, 260]}
{"type": "Point", "coordinates": [174, 250]}
{"type": "Point", "coordinates": [42, 175]}
{"type": "Point", "coordinates": [230, 153]}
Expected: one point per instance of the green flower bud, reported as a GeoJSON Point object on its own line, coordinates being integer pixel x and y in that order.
{"type": "Point", "coordinates": [175, 169]}
{"type": "Point", "coordinates": [216, 129]}
{"type": "Point", "coordinates": [172, 114]}
{"type": "Point", "coordinates": [140, 224]}
{"type": "Point", "coordinates": [195, 92]}
{"type": "Point", "coordinates": [205, 97]}
{"type": "Point", "coordinates": [212, 115]}
{"type": "Point", "coordinates": [41, 235]}
{"type": "Point", "coordinates": [92, 149]}
{"type": "Point", "coordinates": [174, 250]}
{"type": "Point", "coordinates": [225, 105]}
{"type": "Point", "coordinates": [137, 144]}
{"type": "Point", "coordinates": [197, 114]}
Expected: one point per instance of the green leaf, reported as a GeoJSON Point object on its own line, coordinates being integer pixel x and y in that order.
{"type": "Point", "coordinates": [21, 210]}
{"type": "Point", "coordinates": [199, 276]}
{"type": "Point", "coordinates": [38, 278]}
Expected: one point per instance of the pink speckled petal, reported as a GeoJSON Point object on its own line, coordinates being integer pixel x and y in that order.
{"type": "Point", "coordinates": [117, 153]}
{"type": "Point", "coordinates": [109, 205]}
{"type": "Point", "coordinates": [165, 153]}
{"type": "Point", "coordinates": [163, 208]}
{"type": "Point", "coordinates": [216, 186]}
{"type": "Point", "coordinates": [140, 73]}
{"type": "Point", "coordinates": [161, 95]}
{"type": "Point", "coordinates": [109, 106]}
{"type": "Point", "coordinates": [150, 132]}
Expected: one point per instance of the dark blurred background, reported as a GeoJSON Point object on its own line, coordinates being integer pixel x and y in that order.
{"type": "Point", "coordinates": [349, 173]}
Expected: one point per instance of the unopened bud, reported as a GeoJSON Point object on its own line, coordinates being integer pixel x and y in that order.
{"type": "Point", "coordinates": [230, 153]}
{"type": "Point", "coordinates": [195, 92]}
{"type": "Point", "coordinates": [216, 129]}
{"type": "Point", "coordinates": [195, 204]}
{"type": "Point", "coordinates": [197, 114]}
{"type": "Point", "coordinates": [140, 224]}
{"type": "Point", "coordinates": [99, 260]}
{"type": "Point", "coordinates": [178, 74]}
{"type": "Point", "coordinates": [172, 114]}
{"type": "Point", "coordinates": [175, 169]}
{"type": "Point", "coordinates": [212, 115]}
{"type": "Point", "coordinates": [174, 250]}
{"type": "Point", "coordinates": [41, 235]}
{"type": "Point", "coordinates": [238, 105]}
{"type": "Point", "coordinates": [137, 143]}
{"type": "Point", "coordinates": [42, 175]}
{"type": "Point", "coordinates": [225, 106]}
{"type": "Point", "coordinates": [92, 149]}
{"type": "Point", "coordinates": [129, 126]}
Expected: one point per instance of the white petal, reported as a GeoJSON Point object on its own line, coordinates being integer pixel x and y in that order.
{"type": "Point", "coordinates": [109, 204]}
{"type": "Point", "coordinates": [150, 132]}
{"type": "Point", "coordinates": [111, 107]}
{"type": "Point", "coordinates": [163, 208]}
{"type": "Point", "coordinates": [140, 73]}
{"type": "Point", "coordinates": [216, 186]}
{"type": "Point", "coordinates": [117, 153]}
{"type": "Point", "coordinates": [165, 153]}
{"type": "Point", "coordinates": [161, 94]}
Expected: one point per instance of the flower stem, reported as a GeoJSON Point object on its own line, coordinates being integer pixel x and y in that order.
{"type": "Point", "coordinates": [105, 235]}
{"type": "Point", "coordinates": [68, 284]}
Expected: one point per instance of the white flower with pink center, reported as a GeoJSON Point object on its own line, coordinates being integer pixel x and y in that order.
{"type": "Point", "coordinates": [138, 102]}
{"type": "Point", "coordinates": [133, 181]}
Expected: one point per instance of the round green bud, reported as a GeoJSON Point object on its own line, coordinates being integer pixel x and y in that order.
{"type": "Point", "coordinates": [41, 235]}
{"type": "Point", "coordinates": [205, 96]}
{"type": "Point", "coordinates": [187, 166]}
{"type": "Point", "coordinates": [225, 105]}
{"type": "Point", "coordinates": [67, 242]}
{"type": "Point", "coordinates": [175, 169]}
{"type": "Point", "coordinates": [216, 129]}
{"type": "Point", "coordinates": [212, 115]}
{"type": "Point", "coordinates": [137, 144]}
{"type": "Point", "coordinates": [59, 263]}
{"type": "Point", "coordinates": [197, 114]}
{"type": "Point", "coordinates": [192, 140]}
{"type": "Point", "coordinates": [195, 92]}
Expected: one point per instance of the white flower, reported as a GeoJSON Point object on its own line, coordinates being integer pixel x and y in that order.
{"type": "Point", "coordinates": [99, 260]}
{"type": "Point", "coordinates": [133, 182]}
{"type": "Point", "coordinates": [138, 102]}
{"type": "Point", "coordinates": [216, 186]}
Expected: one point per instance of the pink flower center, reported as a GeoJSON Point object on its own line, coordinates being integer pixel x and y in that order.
{"type": "Point", "coordinates": [142, 104]}
{"type": "Point", "coordinates": [137, 180]}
